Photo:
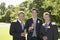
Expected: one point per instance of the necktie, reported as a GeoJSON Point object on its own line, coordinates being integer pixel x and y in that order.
{"type": "Point", "coordinates": [46, 25]}
{"type": "Point", "coordinates": [22, 25]}
{"type": "Point", "coordinates": [34, 20]}
{"type": "Point", "coordinates": [34, 31]}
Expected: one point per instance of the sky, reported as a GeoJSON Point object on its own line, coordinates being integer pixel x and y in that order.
{"type": "Point", "coordinates": [12, 2]}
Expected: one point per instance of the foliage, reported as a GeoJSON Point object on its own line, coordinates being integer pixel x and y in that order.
{"type": "Point", "coordinates": [10, 13]}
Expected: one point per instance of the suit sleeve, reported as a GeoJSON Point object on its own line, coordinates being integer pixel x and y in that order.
{"type": "Point", "coordinates": [12, 30]}
{"type": "Point", "coordinates": [40, 34]}
{"type": "Point", "coordinates": [55, 32]}
{"type": "Point", "coordinates": [27, 26]}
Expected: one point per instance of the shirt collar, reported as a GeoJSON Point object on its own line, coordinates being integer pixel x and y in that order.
{"type": "Point", "coordinates": [48, 23]}
{"type": "Point", "coordinates": [34, 18]}
{"type": "Point", "coordinates": [19, 21]}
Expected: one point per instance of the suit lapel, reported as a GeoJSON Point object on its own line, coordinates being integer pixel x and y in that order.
{"type": "Point", "coordinates": [50, 24]}
{"type": "Point", "coordinates": [36, 21]}
{"type": "Point", "coordinates": [19, 25]}
{"type": "Point", "coordinates": [50, 27]}
{"type": "Point", "coordinates": [31, 20]}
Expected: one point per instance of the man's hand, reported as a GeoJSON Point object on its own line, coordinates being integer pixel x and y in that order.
{"type": "Point", "coordinates": [23, 34]}
{"type": "Point", "coordinates": [44, 37]}
{"type": "Point", "coordinates": [30, 28]}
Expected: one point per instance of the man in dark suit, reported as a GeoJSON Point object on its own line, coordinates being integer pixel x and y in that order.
{"type": "Point", "coordinates": [48, 31]}
{"type": "Point", "coordinates": [33, 26]}
{"type": "Point", "coordinates": [17, 28]}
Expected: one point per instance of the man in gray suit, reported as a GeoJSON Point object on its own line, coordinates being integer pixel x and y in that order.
{"type": "Point", "coordinates": [33, 26]}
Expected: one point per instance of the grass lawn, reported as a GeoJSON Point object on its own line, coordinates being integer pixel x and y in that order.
{"type": "Point", "coordinates": [4, 32]}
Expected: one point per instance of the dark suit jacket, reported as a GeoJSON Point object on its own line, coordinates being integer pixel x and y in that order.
{"type": "Point", "coordinates": [51, 32]}
{"type": "Point", "coordinates": [29, 23]}
{"type": "Point", "coordinates": [16, 30]}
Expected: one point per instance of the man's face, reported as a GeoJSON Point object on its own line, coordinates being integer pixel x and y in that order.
{"type": "Point", "coordinates": [34, 13]}
{"type": "Point", "coordinates": [46, 17]}
{"type": "Point", "coordinates": [21, 16]}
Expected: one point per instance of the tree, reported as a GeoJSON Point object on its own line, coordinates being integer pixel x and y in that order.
{"type": "Point", "coordinates": [52, 6]}
{"type": "Point", "coordinates": [2, 7]}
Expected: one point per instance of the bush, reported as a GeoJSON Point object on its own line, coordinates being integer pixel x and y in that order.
{"type": "Point", "coordinates": [59, 35]}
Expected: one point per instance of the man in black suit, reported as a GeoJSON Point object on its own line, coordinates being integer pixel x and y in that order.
{"type": "Point", "coordinates": [33, 26]}
{"type": "Point", "coordinates": [48, 31]}
{"type": "Point", "coordinates": [17, 28]}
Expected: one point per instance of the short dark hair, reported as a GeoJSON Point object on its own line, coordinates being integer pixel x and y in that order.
{"type": "Point", "coordinates": [21, 12]}
{"type": "Point", "coordinates": [35, 9]}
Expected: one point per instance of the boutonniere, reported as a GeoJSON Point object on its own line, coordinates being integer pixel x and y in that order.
{"type": "Point", "coordinates": [43, 24]}
{"type": "Point", "coordinates": [48, 27]}
{"type": "Point", "coordinates": [38, 21]}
